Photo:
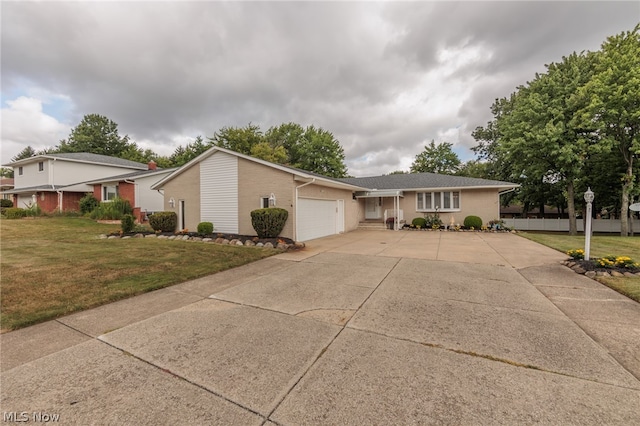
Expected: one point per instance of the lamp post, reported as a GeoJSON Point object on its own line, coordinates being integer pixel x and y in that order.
{"type": "Point", "coordinates": [588, 197]}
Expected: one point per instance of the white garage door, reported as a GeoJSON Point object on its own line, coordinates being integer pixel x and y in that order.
{"type": "Point", "coordinates": [319, 218]}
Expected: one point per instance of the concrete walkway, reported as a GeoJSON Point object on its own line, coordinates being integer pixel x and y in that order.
{"type": "Point", "coordinates": [370, 327]}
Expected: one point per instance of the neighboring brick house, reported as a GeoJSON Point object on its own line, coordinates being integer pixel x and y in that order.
{"type": "Point", "coordinates": [58, 181]}
{"type": "Point", "coordinates": [134, 187]}
{"type": "Point", "coordinates": [6, 184]}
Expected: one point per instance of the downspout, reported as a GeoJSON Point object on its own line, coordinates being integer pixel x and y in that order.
{"type": "Point", "coordinates": [295, 237]}
{"type": "Point", "coordinates": [501, 193]}
{"type": "Point", "coordinates": [53, 185]}
{"type": "Point", "coordinates": [135, 200]}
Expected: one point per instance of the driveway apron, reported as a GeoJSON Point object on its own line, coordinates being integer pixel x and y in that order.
{"type": "Point", "coordinates": [369, 327]}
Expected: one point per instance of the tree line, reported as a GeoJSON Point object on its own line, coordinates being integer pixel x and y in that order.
{"type": "Point", "coordinates": [575, 126]}
{"type": "Point", "coordinates": [309, 148]}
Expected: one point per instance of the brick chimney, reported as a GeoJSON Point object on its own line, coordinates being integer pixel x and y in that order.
{"type": "Point", "coordinates": [152, 165]}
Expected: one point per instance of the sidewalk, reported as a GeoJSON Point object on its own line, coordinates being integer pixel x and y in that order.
{"type": "Point", "coordinates": [367, 327]}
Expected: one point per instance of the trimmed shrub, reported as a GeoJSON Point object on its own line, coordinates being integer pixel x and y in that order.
{"type": "Point", "coordinates": [15, 213]}
{"type": "Point", "coordinates": [419, 222]}
{"type": "Point", "coordinates": [269, 222]}
{"type": "Point", "coordinates": [6, 203]}
{"type": "Point", "coordinates": [127, 223]}
{"type": "Point", "coordinates": [112, 210]}
{"type": "Point", "coordinates": [163, 221]}
{"type": "Point", "coordinates": [473, 222]}
{"type": "Point", "coordinates": [205, 228]}
{"type": "Point", "coordinates": [88, 203]}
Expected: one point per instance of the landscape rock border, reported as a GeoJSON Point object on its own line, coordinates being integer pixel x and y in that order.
{"type": "Point", "coordinates": [589, 270]}
{"type": "Point", "coordinates": [239, 240]}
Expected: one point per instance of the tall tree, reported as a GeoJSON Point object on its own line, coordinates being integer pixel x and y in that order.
{"type": "Point", "coordinates": [539, 138]}
{"type": "Point", "coordinates": [27, 152]}
{"type": "Point", "coordinates": [288, 136]}
{"type": "Point", "coordinates": [96, 134]}
{"type": "Point", "coordinates": [239, 139]}
{"type": "Point", "coordinates": [436, 159]}
{"type": "Point", "coordinates": [6, 172]}
{"type": "Point", "coordinates": [320, 152]}
{"type": "Point", "coordinates": [182, 155]}
{"type": "Point", "coordinates": [266, 151]}
{"type": "Point", "coordinates": [614, 107]}
{"type": "Point", "coordinates": [311, 149]}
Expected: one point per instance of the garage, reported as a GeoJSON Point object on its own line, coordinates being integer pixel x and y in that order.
{"type": "Point", "coordinates": [318, 218]}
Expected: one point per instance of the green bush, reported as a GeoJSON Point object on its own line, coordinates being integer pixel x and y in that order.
{"type": "Point", "coordinates": [127, 223]}
{"type": "Point", "coordinates": [473, 222]}
{"type": "Point", "coordinates": [163, 221]}
{"type": "Point", "coordinates": [6, 203]}
{"type": "Point", "coordinates": [419, 222]}
{"type": "Point", "coordinates": [15, 213]}
{"type": "Point", "coordinates": [88, 203]}
{"type": "Point", "coordinates": [112, 210]}
{"type": "Point", "coordinates": [433, 221]}
{"type": "Point", "coordinates": [205, 228]}
{"type": "Point", "coordinates": [269, 222]}
{"type": "Point", "coordinates": [33, 210]}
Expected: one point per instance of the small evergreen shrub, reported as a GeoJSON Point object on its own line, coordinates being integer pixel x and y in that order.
{"type": "Point", "coordinates": [163, 221]}
{"type": "Point", "coordinates": [269, 222]}
{"type": "Point", "coordinates": [419, 222]}
{"type": "Point", "coordinates": [127, 223]}
{"type": "Point", "coordinates": [15, 213]}
{"type": "Point", "coordinates": [473, 222]}
{"type": "Point", "coordinates": [88, 203]}
{"type": "Point", "coordinates": [205, 228]}
{"type": "Point", "coordinates": [6, 203]}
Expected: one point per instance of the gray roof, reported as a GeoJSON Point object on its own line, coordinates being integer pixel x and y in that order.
{"type": "Point", "coordinates": [132, 175]}
{"type": "Point", "coordinates": [38, 188]}
{"type": "Point", "coordinates": [425, 181]}
{"type": "Point", "coordinates": [86, 157]}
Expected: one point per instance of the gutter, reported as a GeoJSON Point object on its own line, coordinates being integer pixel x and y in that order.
{"type": "Point", "coordinates": [296, 205]}
{"type": "Point", "coordinates": [506, 191]}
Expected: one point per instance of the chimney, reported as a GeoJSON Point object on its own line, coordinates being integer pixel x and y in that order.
{"type": "Point", "coordinates": [152, 165]}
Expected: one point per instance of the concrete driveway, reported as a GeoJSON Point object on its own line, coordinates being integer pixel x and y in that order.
{"type": "Point", "coordinates": [370, 327]}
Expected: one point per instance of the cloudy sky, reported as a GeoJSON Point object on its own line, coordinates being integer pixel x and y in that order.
{"type": "Point", "coordinates": [384, 78]}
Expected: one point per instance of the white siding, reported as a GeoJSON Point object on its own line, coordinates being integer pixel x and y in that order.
{"type": "Point", "coordinates": [146, 198]}
{"type": "Point", "coordinates": [61, 172]}
{"type": "Point", "coordinates": [219, 192]}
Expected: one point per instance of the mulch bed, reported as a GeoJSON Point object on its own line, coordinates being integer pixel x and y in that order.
{"type": "Point", "coordinates": [590, 265]}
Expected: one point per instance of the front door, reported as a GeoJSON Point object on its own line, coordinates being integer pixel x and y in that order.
{"type": "Point", "coordinates": [372, 208]}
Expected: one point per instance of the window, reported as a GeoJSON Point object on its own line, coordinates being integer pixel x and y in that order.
{"type": "Point", "coordinates": [441, 201]}
{"type": "Point", "coordinates": [109, 192]}
{"type": "Point", "coordinates": [41, 166]}
{"type": "Point", "coordinates": [264, 202]}
{"type": "Point", "coordinates": [20, 170]}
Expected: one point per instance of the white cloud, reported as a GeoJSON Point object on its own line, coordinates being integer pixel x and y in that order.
{"type": "Point", "coordinates": [25, 124]}
{"type": "Point", "coordinates": [385, 78]}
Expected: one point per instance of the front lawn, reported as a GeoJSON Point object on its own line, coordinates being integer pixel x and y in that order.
{"type": "Point", "coordinates": [51, 267]}
{"type": "Point", "coordinates": [601, 245]}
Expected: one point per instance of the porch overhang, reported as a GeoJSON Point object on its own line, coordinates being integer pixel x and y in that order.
{"type": "Point", "coordinates": [381, 193]}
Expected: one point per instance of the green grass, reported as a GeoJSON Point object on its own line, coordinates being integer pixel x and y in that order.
{"type": "Point", "coordinates": [52, 267]}
{"type": "Point", "coordinates": [601, 245]}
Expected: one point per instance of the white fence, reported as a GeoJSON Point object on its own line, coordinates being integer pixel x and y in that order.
{"type": "Point", "coordinates": [597, 225]}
